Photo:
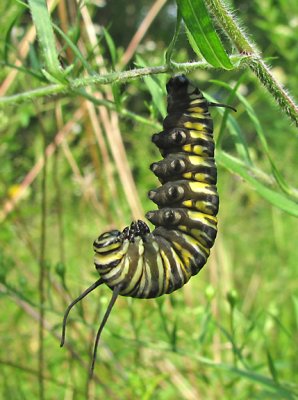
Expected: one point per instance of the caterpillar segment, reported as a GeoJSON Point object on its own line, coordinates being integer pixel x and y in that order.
{"type": "Point", "coordinates": [142, 264]}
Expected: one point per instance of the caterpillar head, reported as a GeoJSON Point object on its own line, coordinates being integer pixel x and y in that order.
{"type": "Point", "coordinates": [137, 228]}
{"type": "Point", "coordinates": [179, 89]}
{"type": "Point", "coordinates": [177, 83]}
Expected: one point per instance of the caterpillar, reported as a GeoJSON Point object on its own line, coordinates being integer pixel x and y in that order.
{"type": "Point", "coordinates": [142, 264]}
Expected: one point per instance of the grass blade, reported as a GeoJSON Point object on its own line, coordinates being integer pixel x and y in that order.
{"type": "Point", "coordinates": [155, 89]}
{"type": "Point", "coordinates": [43, 25]}
{"type": "Point", "coordinates": [171, 46]}
{"type": "Point", "coordinates": [199, 24]}
{"type": "Point", "coordinates": [287, 189]}
{"type": "Point", "coordinates": [237, 166]}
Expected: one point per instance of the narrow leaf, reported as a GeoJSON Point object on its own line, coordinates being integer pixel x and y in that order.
{"type": "Point", "coordinates": [295, 304]}
{"type": "Point", "coordinates": [235, 130]}
{"type": "Point", "coordinates": [200, 27]}
{"type": "Point", "coordinates": [155, 90]}
{"type": "Point", "coordinates": [271, 366]}
{"type": "Point", "coordinates": [43, 25]}
{"type": "Point", "coordinates": [279, 200]}
{"type": "Point", "coordinates": [259, 130]}
{"type": "Point", "coordinates": [111, 47]}
{"type": "Point", "coordinates": [74, 48]}
{"type": "Point", "coordinates": [170, 49]}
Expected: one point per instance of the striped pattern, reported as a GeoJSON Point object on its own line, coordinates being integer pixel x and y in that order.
{"type": "Point", "coordinates": [146, 264]}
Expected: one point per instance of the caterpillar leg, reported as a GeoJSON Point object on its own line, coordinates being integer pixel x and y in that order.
{"type": "Point", "coordinates": [116, 292]}
{"type": "Point", "coordinates": [81, 296]}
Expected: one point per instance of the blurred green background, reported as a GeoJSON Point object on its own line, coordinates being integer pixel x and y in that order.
{"type": "Point", "coordinates": [231, 332]}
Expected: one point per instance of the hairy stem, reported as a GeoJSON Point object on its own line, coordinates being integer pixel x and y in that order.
{"type": "Point", "coordinates": [109, 78]}
{"type": "Point", "coordinates": [230, 25]}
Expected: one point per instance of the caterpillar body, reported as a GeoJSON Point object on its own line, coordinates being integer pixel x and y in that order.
{"type": "Point", "coordinates": [142, 264]}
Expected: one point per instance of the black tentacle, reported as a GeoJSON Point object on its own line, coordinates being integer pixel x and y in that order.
{"type": "Point", "coordinates": [79, 298]}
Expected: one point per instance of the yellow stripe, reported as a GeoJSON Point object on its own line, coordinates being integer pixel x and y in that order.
{"type": "Point", "coordinates": [198, 216]}
{"type": "Point", "coordinates": [139, 268]}
{"type": "Point", "coordinates": [114, 256]}
{"type": "Point", "coordinates": [196, 233]}
{"type": "Point", "coordinates": [124, 266]}
{"type": "Point", "coordinates": [194, 97]}
{"type": "Point", "coordinates": [199, 187]}
{"type": "Point", "coordinates": [160, 268]}
{"type": "Point", "coordinates": [201, 177]}
{"type": "Point", "coordinates": [114, 271]}
{"type": "Point", "coordinates": [179, 264]}
{"type": "Point", "coordinates": [196, 149]}
{"type": "Point", "coordinates": [200, 135]}
{"type": "Point", "coordinates": [149, 277]}
{"type": "Point", "coordinates": [198, 114]}
{"type": "Point", "coordinates": [194, 125]}
{"type": "Point", "coordinates": [196, 160]}
{"type": "Point", "coordinates": [202, 206]}
{"type": "Point", "coordinates": [186, 256]}
{"type": "Point", "coordinates": [195, 109]}
{"type": "Point", "coordinates": [112, 246]}
{"type": "Point", "coordinates": [167, 270]}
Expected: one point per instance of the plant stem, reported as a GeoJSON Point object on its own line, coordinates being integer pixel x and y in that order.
{"type": "Point", "coordinates": [230, 25]}
{"type": "Point", "coordinates": [120, 77]}
{"type": "Point", "coordinates": [42, 274]}
{"type": "Point", "coordinates": [283, 99]}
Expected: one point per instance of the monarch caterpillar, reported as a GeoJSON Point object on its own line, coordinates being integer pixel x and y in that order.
{"type": "Point", "coordinates": [142, 264]}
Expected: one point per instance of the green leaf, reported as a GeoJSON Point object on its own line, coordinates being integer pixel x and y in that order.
{"type": "Point", "coordinates": [227, 110]}
{"type": "Point", "coordinates": [7, 39]}
{"type": "Point", "coordinates": [74, 48]}
{"type": "Point", "coordinates": [170, 49]}
{"type": "Point", "coordinates": [237, 166]}
{"type": "Point", "coordinates": [200, 27]}
{"type": "Point", "coordinates": [43, 25]}
{"type": "Point", "coordinates": [117, 96]}
{"type": "Point", "coordinates": [271, 366]}
{"type": "Point", "coordinates": [295, 304]}
{"type": "Point", "coordinates": [259, 130]}
{"type": "Point", "coordinates": [235, 130]}
{"type": "Point", "coordinates": [155, 89]}
{"type": "Point", "coordinates": [111, 47]}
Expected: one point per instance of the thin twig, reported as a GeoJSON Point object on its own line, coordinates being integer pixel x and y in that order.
{"type": "Point", "coordinates": [117, 77]}
{"type": "Point", "coordinates": [56, 180]}
{"type": "Point", "coordinates": [42, 272]}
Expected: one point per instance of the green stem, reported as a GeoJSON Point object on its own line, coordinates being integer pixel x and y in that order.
{"type": "Point", "coordinates": [283, 99]}
{"type": "Point", "coordinates": [42, 274]}
{"type": "Point", "coordinates": [239, 62]}
{"type": "Point", "coordinates": [230, 25]}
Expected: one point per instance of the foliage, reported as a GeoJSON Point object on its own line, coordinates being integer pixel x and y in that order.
{"type": "Point", "coordinates": [88, 94]}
